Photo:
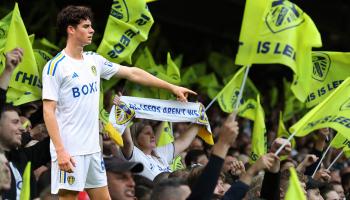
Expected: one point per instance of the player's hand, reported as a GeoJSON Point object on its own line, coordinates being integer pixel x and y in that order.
{"type": "Point", "coordinates": [182, 93]}
{"type": "Point", "coordinates": [65, 161]}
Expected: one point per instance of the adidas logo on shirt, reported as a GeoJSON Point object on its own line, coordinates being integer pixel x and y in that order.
{"type": "Point", "coordinates": [75, 75]}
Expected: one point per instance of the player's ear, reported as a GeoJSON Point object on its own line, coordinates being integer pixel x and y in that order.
{"type": "Point", "coordinates": [70, 29]}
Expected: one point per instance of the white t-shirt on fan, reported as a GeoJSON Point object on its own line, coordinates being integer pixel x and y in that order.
{"type": "Point", "coordinates": [154, 165]}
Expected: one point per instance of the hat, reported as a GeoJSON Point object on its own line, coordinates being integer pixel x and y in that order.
{"type": "Point", "coordinates": [117, 165]}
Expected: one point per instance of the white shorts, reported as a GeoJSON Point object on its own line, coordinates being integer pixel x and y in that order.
{"type": "Point", "coordinates": [89, 172]}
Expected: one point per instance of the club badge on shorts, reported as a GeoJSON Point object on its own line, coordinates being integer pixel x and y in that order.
{"type": "Point", "coordinates": [70, 180]}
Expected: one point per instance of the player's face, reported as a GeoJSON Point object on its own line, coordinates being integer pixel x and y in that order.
{"type": "Point", "coordinates": [83, 32]}
{"type": "Point", "coordinates": [10, 130]}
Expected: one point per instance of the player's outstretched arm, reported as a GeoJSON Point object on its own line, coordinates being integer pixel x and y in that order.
{"type": "Point", "coordinates": [142, 77]}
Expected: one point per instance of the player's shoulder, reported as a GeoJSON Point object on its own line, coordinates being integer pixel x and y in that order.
{"type": "Point", "coordinates": [53, 65]}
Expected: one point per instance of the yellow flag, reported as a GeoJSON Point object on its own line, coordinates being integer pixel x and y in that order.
{"type": "Point", "coordinates": [292, 105]}
{"type": "Point", "coordinates": [275, 31]}
{"type": "Point", "coordinates": [25, 191]}
{"type": "Point", "coordinates": [210, 84]}
{"type": "Point", "coordinates": [189, 77]}
{"type": "Point", "coordinates": [329, 69]}
{"type": "Point", "coordinates": [26, 76]}
{"type": "Point", "coordinates": [177, 163]}
{"type": "Point", "coordinates": [347, 154]}
{"type": "Point", "coordinates": [282, 131]}
{"type": "Point", "coordinates": [227, 97]}
{"type": "Point", "coordinates": [4, 27]}
{"type": "Point", "coordinates": [333, 112]}
{"type": "Point", "coordinates": [259, 143]}
{"type": "Point", "coordinates": [49, 44]}
{"type": "Point", "coordinates": [113, 134]}
{"type": "Point", "coordinates": [248, 109]}
{"type": "Point", "coordinates": [221, 64]}
{"type": "Point", "coordinates": [295, 191]}
{"type": "Point", "coordinates": [340, 142]}
{"type": "Point", "coordinates": [128, 24]}
{"type": "Point", "coordinates": [166, 135]}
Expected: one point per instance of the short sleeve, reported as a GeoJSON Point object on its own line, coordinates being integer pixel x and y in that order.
{"type": "Point", "coordinates": [51, 83]}
{"type": "Point", "coordinates": [108, 69]}
{"type": "Point", "coordinates": [136, 155]}
{"type": "Point", "coordinates": [166, 152]}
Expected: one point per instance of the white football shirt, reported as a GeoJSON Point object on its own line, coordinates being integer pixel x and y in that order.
{"type": "Point", "coordinates": [75, 86]}
{"type": "Point", "coordinates": [154, 165]}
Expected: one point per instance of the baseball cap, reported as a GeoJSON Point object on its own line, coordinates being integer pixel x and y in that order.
{"type": "Point", "coordinates": [114, 164]}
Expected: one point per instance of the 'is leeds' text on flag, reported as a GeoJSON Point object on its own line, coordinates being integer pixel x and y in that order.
{"type": "Point", "coordinates": [329, 69]}
{"type": "Point", "coordinates": [333, 112]}
{"type": "Point", "coordinates": [278, 31]}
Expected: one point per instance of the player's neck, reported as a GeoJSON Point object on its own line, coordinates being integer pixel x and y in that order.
{"type": "Point", "coordinates": [74, 51]}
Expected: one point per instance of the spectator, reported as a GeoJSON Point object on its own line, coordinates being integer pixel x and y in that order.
{"type": "Point", "coordinates": [328, 193]}
{"type": "Point", "coordinates": [196, 156]}
{"type": "Point", "coordinates": [5, 173]}
{"type": "Point", "coordinates": [171, 189]}
{"type": "Point", "coordinates": [121, 184]}
{"type": "Point", "coordinates": [339, 189]}
{"type": "Point", "coordinates": [18, 157]}
{"type": "Point", "coordinates": [155, 159]}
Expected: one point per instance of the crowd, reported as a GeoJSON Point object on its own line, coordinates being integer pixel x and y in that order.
{"type": "Point", "coordinates": [140, 169]}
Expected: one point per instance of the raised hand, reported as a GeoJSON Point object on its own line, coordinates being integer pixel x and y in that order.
{"type": "Point", "coordinates": [13, 58]}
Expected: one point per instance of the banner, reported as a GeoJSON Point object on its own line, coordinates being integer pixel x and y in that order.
{"type": "Point", "coordinates": [160, 110]}
{"type": "Point", "coordinates": [128, 24]}
{"type": "Point", "coordinates": [329, 70]}
{"type": "Point", "coordinates": [275, 31]}
{"type": "Point", "coordinates": [333, 112]}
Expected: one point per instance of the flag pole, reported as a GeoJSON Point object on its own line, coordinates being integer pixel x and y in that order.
{"type": "Point", "coordinates": [318, 165]}
{"type": "Point", "coordinates": [335, 159]}
{"type": "Point", "coordinates": [284, 144]}
{"type": "Point", "coordinates": [241, 91]}
{"type": "Point", "coordinates": [211, 103]}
